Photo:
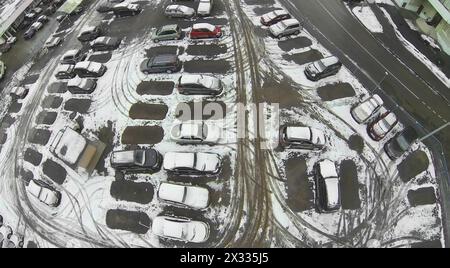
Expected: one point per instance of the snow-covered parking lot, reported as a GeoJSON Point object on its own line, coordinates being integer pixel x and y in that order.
{"type": "Point", "coordinates": [261, 197]}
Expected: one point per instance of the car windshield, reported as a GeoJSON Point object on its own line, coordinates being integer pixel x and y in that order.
{"type": "Point", "coordinates": [139, 157]}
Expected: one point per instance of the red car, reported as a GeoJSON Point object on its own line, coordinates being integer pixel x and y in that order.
{"type": "Point", "coordinates": [205, 30]}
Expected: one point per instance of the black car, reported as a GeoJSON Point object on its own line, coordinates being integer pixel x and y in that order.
{"type": "Point", "coordinates": [65, 71]}
{"type": "Point", "coordinates": [401, 143]}
{"type": "Point", "coordinates": [323, 68]}
{"type": "Point", "coordinates": [43, 19]}
{"type": "Point", "coordinates": [105, 43]}
{"type": "Point", "coordinates": [137, 160]}
{"type": "Point", "coordinates": [327, 185]}
{"type": "Point", "coordinates": [167, 63]}
{"type": "Point", "coordinates": [29, 33]}
{"type": "Point", "coordinates": [124, 10]}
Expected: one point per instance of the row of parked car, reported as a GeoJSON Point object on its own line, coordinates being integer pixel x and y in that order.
{"type": "Point", "coordinates": [9, 239]}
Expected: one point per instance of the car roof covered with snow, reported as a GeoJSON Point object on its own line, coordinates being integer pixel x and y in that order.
{"type": "Point", "coordinates": [298, 133]}
{"type": "Point", "coordinates": [71, 53]}
{"type": "Point", "coordinates": [332, 188]}
{"type": "Point", "coordinates": [328, 169]}
{"type": "Point", "coordinates": [123, 157]}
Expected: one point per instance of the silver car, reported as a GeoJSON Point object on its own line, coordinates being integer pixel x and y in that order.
{"type": "Point", "coordinates": [363, 112]}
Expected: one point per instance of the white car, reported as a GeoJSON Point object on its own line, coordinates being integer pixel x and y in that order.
{"type": "Point", "coordinates": [52, 42]}
{"type": "Point", "coordinates": [285, 28]}
{"type": "Point", "coordinates": [192, 164]}
{"type": "Point", "coordinates": [15, 241]}
{"type": "Point", "coordinates": [205, 7]}
{"type": "Point", "coordinates": [181, 229]}
{"type": "Point", "coordinates": [302, 138]}
{"type": "Point", "coordinates": [381, 126]}
{"type": "Point", "coordinates": [367, 109]}
{"type": "Point", "coordinates": [186, 196]}
{"type": "Point", "coordinates": [328, 193]}
{"type": "Point", "coordinates": [179, 11]}
{"type": "Point", "coordinates": [195, 133]}
{"type": "Point", "coordinates": [44, 193]}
